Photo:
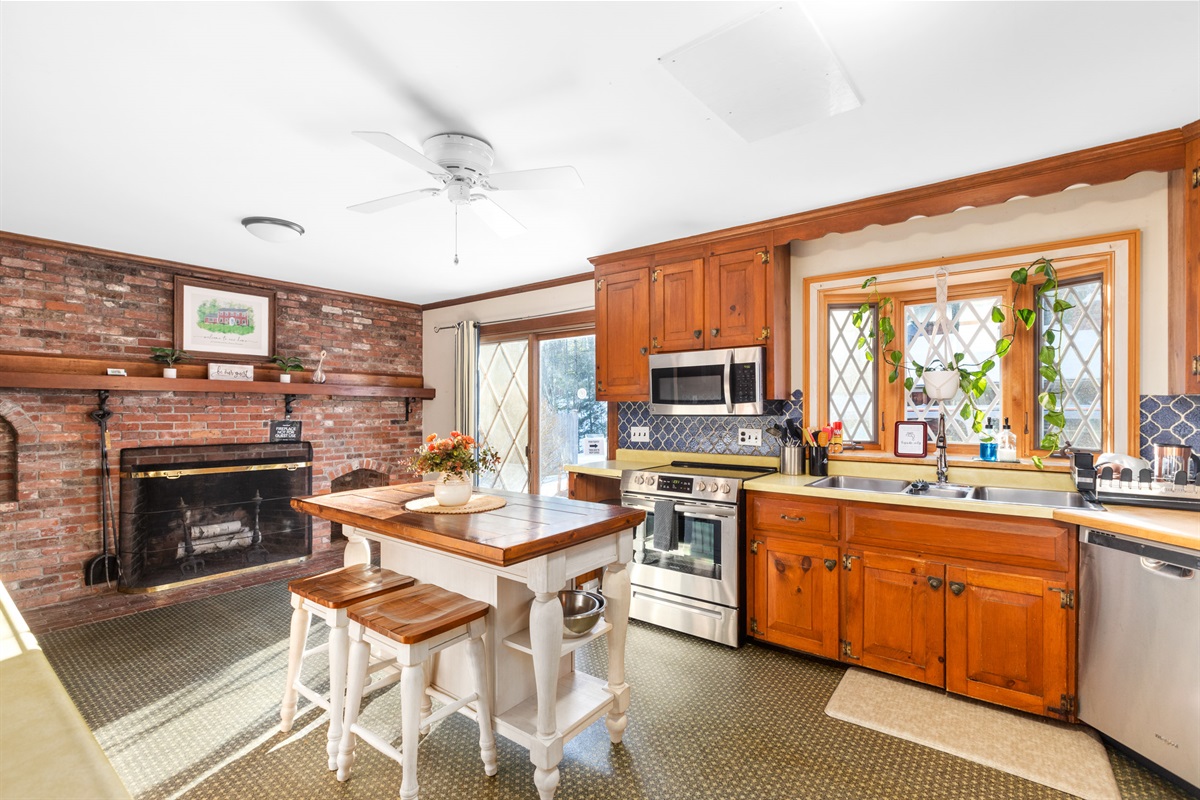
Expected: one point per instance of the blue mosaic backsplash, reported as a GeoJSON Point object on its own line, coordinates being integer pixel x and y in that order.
{"type": "Point", "coordinates": [702, 434]}
{"type": "Point", "coordinates": [1172, 419]}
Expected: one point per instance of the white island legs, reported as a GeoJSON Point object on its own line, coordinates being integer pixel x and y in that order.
{"type": "Point", "coordinates": [616, 595]}
{"type": "Point", "coordinates": [547, 575]}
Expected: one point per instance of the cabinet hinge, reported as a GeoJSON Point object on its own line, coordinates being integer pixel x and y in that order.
{"type": "Point", "coordinates": [766, 334]}
{"type": "Point", "coordinates": [654, 275]}
{"type": "Point", "coordinates": [846, 559]}
{"type": "Point", "coordinates": [754, 545]}
{"type": "Point", "coordinates": [1196, 365]}
{"type": "Point", "coordinates": [754, 626]}
{"type": "Point", "coordinates": [1196, 178]}
{"type": "Point", "coordinates": [1067, 709]}
{"type": "Point", "coordinates": [1066, 597]}
{"type": "Point", "coordinates": [847, 649]}
{"type": "Point", "coordinates": [764, 256]}
{"type": "Point", "coordinates": [599, 284]}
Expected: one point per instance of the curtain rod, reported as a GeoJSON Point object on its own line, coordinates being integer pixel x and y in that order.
{"type": "Point", "coordinates": [441, 328]}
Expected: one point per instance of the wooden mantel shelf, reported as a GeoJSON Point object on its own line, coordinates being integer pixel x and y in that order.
{"type": "Point", "coordinates": [26, 371]}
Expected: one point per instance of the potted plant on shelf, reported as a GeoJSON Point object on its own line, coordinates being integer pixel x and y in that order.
{"type": "Point", "coordinates": [944, 377]}
{"type": "Point", "coordinates": [168, 356]}
{"type": "Point", "coordinates": [456, 458]}
{"type": "Point", "coordinates": [286, 367]}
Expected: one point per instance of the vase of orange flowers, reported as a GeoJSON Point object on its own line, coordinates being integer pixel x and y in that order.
{"type": "Point", "coordinates": [457, 457]}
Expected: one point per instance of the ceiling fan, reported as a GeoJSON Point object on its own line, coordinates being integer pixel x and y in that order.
{"type": "Point", "coordinates": [462, 165]}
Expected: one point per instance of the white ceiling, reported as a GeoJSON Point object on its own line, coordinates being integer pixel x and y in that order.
{"type": "Point", "coordinates": [153, 128]}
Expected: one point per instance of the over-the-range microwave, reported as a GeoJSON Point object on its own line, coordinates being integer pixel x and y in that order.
{"type": "Point", "coordinates": [707, 382]}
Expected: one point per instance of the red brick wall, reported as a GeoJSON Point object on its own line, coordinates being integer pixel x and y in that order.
{"type": "Point", "coordinates": [57, 300]}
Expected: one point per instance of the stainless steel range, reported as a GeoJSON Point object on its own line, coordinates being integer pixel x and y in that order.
{"type": "Point", "coordinates": [687, 573]}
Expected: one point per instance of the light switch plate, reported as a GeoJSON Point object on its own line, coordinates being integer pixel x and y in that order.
{"type": "Point", "coordinates": [639, 433]}
{"type": "Point", "coordinates": [750, 437]}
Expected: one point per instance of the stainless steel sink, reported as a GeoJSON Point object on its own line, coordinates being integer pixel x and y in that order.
{"type": "Point", "coordinates": [860, 484]}
{"type": "Point", "coordinates": [1035, 497]}
{"type": "Point", "coordinates": [954, 491]}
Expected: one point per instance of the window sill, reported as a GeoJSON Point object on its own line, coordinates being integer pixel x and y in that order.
{"type": "Point", "coordinates": [1049, 465]}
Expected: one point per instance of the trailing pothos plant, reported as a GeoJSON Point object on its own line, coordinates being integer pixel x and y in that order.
{"type": "Point", "coordinates": [973, 378]}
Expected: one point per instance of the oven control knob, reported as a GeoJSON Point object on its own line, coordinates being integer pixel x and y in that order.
{"type": "Point", "coordinates": [725, 488]}
{"type": "Point", "coordinates": [638, 479]}
{"type": "Point", "coordinates": [699, 486]}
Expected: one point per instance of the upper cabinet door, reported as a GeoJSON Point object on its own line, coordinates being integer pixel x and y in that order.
{"type": "Point", "coordinates": [623, 334]}
{"type": "Point", "coordinates": [737, 299]}
{"type": "Point", "coordinates": [677, 305]}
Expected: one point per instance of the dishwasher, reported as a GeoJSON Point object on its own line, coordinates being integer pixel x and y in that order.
{"type": "Point", "coordinates": [1139, 648]}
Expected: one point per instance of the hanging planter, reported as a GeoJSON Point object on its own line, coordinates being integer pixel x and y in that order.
{"type": "Point", "coordinates": [941, 384]}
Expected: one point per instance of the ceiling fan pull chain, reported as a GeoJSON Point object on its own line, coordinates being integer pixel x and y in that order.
{"type": "Point", "coordinates": [456, 236]}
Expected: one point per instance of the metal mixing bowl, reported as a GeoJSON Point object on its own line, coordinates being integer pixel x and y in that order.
{"type": "Point", "coordinates": [581, 611]}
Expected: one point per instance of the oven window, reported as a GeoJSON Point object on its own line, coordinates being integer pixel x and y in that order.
{"type": "Point", "coordinates": [689, 386]}
{"type": "Point", "coordinates": [698, 553]}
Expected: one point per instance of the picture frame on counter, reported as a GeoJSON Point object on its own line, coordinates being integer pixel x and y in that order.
{"type": "Point", "coordinates": [230, 372]}
{"type": "Point", "coordinates": [911, 440]}
{"type": "Point", "coordinates": [221, 320]}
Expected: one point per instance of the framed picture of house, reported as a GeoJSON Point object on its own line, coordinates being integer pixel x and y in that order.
{"type": "Point", "coordinates": [224, 321]}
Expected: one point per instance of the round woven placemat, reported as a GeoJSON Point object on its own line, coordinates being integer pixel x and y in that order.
{"type": "Point", "coordinates": [477, 504]}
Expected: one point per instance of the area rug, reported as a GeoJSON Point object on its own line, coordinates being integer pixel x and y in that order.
{"type": "Point", "coordinates": [1064, 757]}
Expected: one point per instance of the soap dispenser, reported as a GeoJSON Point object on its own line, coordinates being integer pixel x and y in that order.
{"type": "Point", "coordinates": [1006, 444]}
{"type": "Point", "coordinates": [988, 444]}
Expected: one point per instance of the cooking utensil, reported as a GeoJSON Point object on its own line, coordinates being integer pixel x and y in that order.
{"type": "Point", "coordinates": [777, 432]}
{"type": "Point", "coordinates": [793, 428]}
{"type": "Point", "coordinates": [823, 438]}
{"type": "Point", "coordinates": [105, 567]}
{"type": "Point", "coordinates": [808, 437]}
{"type": "Point", "coordinates": [581, 611]}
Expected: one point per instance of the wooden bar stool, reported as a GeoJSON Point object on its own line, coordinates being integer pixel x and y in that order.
{"type": "Point", "coordinates": [328, 595]}
{"type": "Point", "coordinates": [415, 624]}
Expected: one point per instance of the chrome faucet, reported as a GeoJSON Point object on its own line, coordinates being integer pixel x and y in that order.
{"type": "Point", "coordinates": [942, 467]}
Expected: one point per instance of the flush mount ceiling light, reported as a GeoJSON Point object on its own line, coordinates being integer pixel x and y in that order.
{"type": "Point", "coordinates": [273, 230]}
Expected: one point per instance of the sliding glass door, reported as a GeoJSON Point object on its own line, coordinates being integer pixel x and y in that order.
{"type": "Point", "coordinates": [557, 370]}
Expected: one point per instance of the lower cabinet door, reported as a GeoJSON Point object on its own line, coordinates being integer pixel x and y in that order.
{"type": "Point", "coordinates": [1006, 640]}
{"type": "Point", "coordinates": [895, 615]}
{"type": "Point", "coordinates": [795, 594]}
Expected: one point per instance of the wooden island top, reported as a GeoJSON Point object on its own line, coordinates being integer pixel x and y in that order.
{"type": "Point", "coordinates": [527, 527]}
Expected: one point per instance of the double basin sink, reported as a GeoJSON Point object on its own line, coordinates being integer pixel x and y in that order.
{"type": "Point", "coordinates": [987, 494]}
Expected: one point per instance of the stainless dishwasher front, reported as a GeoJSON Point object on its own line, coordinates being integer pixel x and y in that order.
{"type": "Point", "coordinates": [1139, 647]}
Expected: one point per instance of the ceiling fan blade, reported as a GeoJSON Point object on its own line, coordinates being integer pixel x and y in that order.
{"type": "Point", "coordinates": [546, 178]}
{"type": "Point", "coordinates": [383, 203]}
{"type": "Point", "coordinates": [504, 224]}
{"type": "Point", "coordinates": [390, 144]}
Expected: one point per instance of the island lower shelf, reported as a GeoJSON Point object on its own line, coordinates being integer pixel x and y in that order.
{"type": "Point", "coordinates": [520, 640]}
{"type": "Point", "coordinates": [580, 700]}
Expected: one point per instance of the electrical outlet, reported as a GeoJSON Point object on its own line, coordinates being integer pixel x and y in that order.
{"type": "Point", "coordinates": [751, 437]}
{"type": "Point", "coordinates": [639, 433]}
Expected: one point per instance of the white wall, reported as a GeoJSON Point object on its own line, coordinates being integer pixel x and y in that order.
{"type": "Point", "coordinates": [1137, 203]}
{"type": "Point", "coordinates": [438, 350]}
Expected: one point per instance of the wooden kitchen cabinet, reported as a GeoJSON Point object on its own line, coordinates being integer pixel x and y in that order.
{"type": "Point", "coordinates": [1006, 639]}
{"type": "Point", "coordinates": [1183, 212]}
{"type": "Point", "coordinates": [623, 331]}
{"type": "Point", "coordinates": [895, 615]}
{"type": "Point", "coordinates": [736, 295]}
{"type": "Point", "coordinates": [796, 593]}
{"type": "Point", "coordinates": [677, 304]}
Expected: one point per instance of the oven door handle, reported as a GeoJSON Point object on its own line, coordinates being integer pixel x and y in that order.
{"type": "Point", "coordinates": [702, 512]}
{"type": "Point", "coordinates": [728, 381]}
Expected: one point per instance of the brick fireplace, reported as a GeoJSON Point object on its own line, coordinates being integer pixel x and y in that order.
{"type": "Point", "coordinates": [57, 299]}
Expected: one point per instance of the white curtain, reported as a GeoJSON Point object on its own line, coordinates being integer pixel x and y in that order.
{"type": "Point", "coordinates": [466, 377]}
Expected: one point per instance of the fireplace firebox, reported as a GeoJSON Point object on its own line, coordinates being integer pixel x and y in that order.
{"type": "Point", "coordinates": [195, 512]}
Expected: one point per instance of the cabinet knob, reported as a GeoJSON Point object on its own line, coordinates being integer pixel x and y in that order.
{"type": "Point", "coordinates": [644, 351]}
{"type": "Point", "coordinates": [934, 583]}
{"type": "Point", "coordinates": [831, 564]}
{"type": "Point", "coordinates": [791, 519]}
{"type": "Point", "coordinates": [715, 332]}
{"type": "Point", "coordinates": [698, 334]}
{"type": "Point", "coordinates": [956, 588]}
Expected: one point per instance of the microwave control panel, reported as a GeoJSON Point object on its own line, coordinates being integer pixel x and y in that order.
{"type": "Point", "coordinates": [745, 383]}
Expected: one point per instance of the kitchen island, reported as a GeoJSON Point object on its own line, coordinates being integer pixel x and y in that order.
{"type": "Point", "coordinates": [516, 559]}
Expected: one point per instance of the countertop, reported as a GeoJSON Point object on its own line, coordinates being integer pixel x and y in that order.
{"type": "Point", "coordinates": [527, 527]}
{"type": "Point", "coordinates": [1166, 526]}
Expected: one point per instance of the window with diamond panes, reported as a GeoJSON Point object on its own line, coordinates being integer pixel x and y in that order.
{"type": "Point", "coordinates": [504, 412]}
{"type": "Point", "coordinates": [972, 333]}
{"type": "Point", "coordinates": [1081, 379]}
{"type": "Point", "coordinates": [851, 377]}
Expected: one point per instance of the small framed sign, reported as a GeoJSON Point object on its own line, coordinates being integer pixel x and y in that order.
{"type": "Point", "coordinates": [285, 430]}
{"type": "Point", "coordinates": [911, 440]}
{"type": "Point", "coordinates": [230, 372]}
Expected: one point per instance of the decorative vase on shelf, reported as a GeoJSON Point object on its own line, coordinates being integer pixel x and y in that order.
{"type": "Point", "coordinates": [285, 377]}
{"type": "Point", "coordinates": [169, 372]}
{"type": "Point", "coordinates": [454, 490]}
{"type": "Point", "coordinates": [941, 384]}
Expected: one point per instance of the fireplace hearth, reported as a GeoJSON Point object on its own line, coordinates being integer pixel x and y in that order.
{"type": "Point", "coordinates": [195, 512]}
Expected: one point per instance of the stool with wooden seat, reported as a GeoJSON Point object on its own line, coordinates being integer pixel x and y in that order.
{"type": "Point", "coordinates": [328, 595]}
{"type": "Point", "coordinates": [415, 624]}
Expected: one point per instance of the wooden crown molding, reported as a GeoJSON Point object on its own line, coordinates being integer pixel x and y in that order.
{"type": "Point", "coordinates": [1157, 152]}
{"type": "Point", "coordinates": [525, 287]}
{"type": "Point", "coordinates": [23, 240]}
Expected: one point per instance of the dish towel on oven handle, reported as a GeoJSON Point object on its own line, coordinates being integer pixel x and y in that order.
{"type": "Point", "coordinates": [666, 533]}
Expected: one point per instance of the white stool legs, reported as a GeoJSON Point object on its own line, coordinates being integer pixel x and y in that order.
{"type": "Point", "coordinates": [296, 642]}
